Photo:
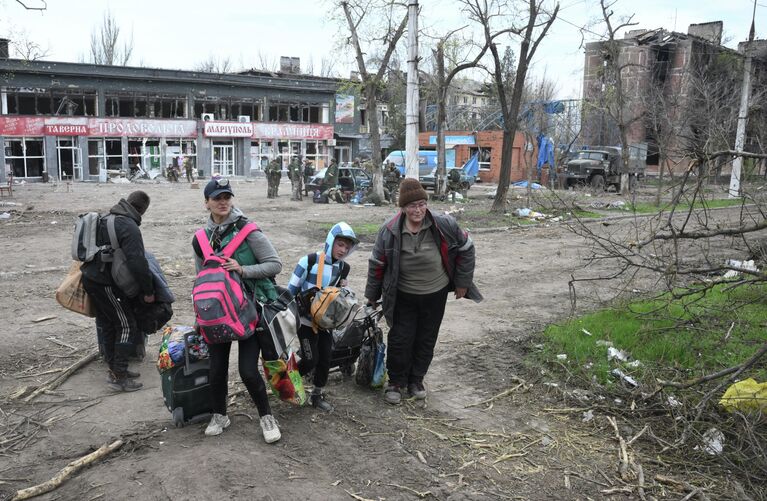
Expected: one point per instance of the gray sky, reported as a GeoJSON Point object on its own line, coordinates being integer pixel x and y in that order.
{"type": "Point", "coordinates": [178, 34]}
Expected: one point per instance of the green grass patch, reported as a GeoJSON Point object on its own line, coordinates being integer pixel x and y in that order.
{"type": "Point", "coordinates": [650, 208]}
{"type": "Point", "coordinates": [672, 338]}
{"type": "Point", "coordinates": [586, 214]}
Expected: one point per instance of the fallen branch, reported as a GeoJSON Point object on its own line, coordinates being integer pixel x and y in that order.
{"type": "Point", "coordinates": [622, 452]}
{"type": "Point", "coordinates": [55, 382]}
{"type": "Point", "coordinates": [716, 375]}
{"type": "Point", "coordinates": [417, 493]}
{"type": "Point", "coordinates": [69, 470]}
{"type": "Point", "coordinates": [496, 397]}
{"type": "Point", "coordinates": [682, 485]}
{"type": "Point", "coordinates": [358, 498]}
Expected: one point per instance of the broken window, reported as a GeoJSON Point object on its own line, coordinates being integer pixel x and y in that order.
{"type": "Point", "coordinates": [25, 156]}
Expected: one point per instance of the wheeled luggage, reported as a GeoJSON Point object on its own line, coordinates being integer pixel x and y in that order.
{"type": "Point", "coordinates": [186, 388]}
{"type": "Point", "coordinates": [347, 342]}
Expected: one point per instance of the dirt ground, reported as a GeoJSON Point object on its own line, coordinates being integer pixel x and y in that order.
{"type": "Point", "coordinates": [451, 447]}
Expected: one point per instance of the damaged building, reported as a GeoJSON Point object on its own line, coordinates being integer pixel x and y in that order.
{"type": "Point", "coordinates": [85, 122]}
{"type": "Point", "coordinates": [681, 93]}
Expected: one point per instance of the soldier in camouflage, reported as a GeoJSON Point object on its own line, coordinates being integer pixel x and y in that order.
{"type": "Point", "coordinates": [273, 175]}
{"type": "Point", "coordinates": [391, 181]}
{"type": "Point", "coordinates": [295, 175]}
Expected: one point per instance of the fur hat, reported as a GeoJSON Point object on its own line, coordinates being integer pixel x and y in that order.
{"type": "Point", "coordinates": [410, 190]}
{"type": "Point", "coordinates": [139, 200]}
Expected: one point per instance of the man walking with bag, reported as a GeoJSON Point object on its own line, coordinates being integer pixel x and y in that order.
{"type": "Point", "coordinates": [114, 308]}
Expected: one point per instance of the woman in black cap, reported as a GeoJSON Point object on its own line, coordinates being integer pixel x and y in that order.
{"type": "Point", "coordinates": [257, 262]}
{"type": "Point", "coordinates": [419, 256]}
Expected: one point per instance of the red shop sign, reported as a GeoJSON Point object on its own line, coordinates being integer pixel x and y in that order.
{"type": "Point", "coordinates": [110, 127]}
{"type": "Point", "coordinates": [270, 130]}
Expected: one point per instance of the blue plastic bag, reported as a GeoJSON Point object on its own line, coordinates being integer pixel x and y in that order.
{"type": "Point", "coordinates": [379, 373]}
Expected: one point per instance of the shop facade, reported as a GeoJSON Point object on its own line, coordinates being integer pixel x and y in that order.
{"type": "Point", "coordinates": [84, 122]}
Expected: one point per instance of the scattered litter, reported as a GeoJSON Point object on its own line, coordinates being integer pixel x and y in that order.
{"type": "Point", "coordinates": [746, 395]}
{"type": "Point", "coordinates": [546, 441]}
{"type": "Point", "coordinates": [525, 212]}
{"type": "Point", "coordinates": [538, 346]}
{"type": "Point", "coordinates": [713, 442]}
{"type": "Point", "coordinates": [586, 332]}
{"type": "Point", "coordinates": [551, 385]}
{"type": "Point", "coordinates": [54, 222]}
{"type": "Point", "coordinates": [672, 402]}
{"type": "Point", "coordinates": [614, 353]}
{"type": "Point", "coordinates": [562, 356]}
{"type": "Point", "coordinates": [602, 342]}
{"type": "Point", "coordinates": [588, 416]}
{"type": "Point", "coordinates": [8, 204]}
{"type": "Point", "coordinates": [617, 401]}
{"type": "Point", "coordinates": [119, 180]}
{"type": "Point", "coordinates": [5, 215]}
{"type": "Point", "coordinates": [589, 365]}
{"type": "Point", "coordinates": [634, 364]}
{"type": "Point", "coordinates": [746, 265]}
{"type": "Point", "coordinates": [625, 377]}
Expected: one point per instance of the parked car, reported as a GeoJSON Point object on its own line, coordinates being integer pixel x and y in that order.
{"type": "Point", "coordinates": [428, 182]}
{"type": "Point", "coordinates": [351, 179]}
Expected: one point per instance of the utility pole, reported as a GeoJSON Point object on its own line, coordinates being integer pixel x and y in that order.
{"type": "Point", "coordinates": [745, 95]}
{"type": "Point", "coordinates": [411, 100]}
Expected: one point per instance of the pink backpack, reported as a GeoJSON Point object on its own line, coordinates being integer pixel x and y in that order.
{"type": "Point", "coordinates": [224, 313]}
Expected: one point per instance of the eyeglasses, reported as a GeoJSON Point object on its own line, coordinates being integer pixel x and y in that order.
{"type": "Point", "coordinates": [416, 205]}
{"type": "Point", "coordinates": [223, 196]}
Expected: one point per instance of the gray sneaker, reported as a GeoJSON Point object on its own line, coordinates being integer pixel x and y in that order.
{"type": "Point", "coordinates": [270, 429]}
{"type": "Point", "coordinates": [217, 425]}
{"type": "Point", "coordinates": [417, 391]}
{"type": "Point", "coordinates": [393, 394]}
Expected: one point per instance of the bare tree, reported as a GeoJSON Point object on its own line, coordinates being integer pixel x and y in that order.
{"type": "Point", "coordinates": [488, 14]}
{"type": "Point", "coordinates": [372, 22]}
{"type": "Point", "coordinates": [215, 64]}
{"type": "Point", "coordinates": [446, 69]}
{"type": "Point", "coordinates": [105, 43]}
{"type": "Point", "coordinates": [43, 5]}
{"type": "Point", "coordinates": [266, 62]}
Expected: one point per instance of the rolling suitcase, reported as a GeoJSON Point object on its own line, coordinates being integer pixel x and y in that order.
{"type": "Point", "coordinates": [186, 389]}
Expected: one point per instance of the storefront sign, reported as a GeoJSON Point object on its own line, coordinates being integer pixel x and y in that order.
{"type": "Point", "coordinates": [140, 127]}
{"type": "Point", "coordinates": [292, 131]}
{"type": "Point", "coordinates": [454, 140]}
{"type": "Point", "coordinates": [98, 127]}
{"type": "Point", "coordinates": [228, 129]}
{"type": "Point", "coordinates": [66, 126]}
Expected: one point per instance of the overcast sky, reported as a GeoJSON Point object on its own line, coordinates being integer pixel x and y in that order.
{"type": "Point", "coordinates": [179, 34]}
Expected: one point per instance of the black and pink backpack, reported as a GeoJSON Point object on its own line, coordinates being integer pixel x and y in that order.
{"type": "Point", "coordinates": [224, 313]}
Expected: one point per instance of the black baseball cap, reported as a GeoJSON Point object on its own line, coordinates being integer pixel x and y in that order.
{"type": "Point", "coordinates": [218, 186]}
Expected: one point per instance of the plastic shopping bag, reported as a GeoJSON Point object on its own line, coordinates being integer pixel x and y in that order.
{"type": "Point", "coordinates": [285, 380]}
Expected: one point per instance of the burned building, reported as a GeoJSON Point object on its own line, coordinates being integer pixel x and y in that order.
{"type": "Point", "coordinates": [83, 122]}
{"type": "Point", "coordinates": [680, 93]}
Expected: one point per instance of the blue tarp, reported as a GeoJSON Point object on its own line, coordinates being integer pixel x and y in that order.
{"type": "Point", "coordinates": [545, 153]}
{"type": "Point", "coordinates": [471, 167]}
{"type": "Point", "coordinates": [523, 184]}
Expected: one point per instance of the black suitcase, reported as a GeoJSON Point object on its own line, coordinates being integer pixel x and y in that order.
{"type": "Point", "coordinates": [186, 390]}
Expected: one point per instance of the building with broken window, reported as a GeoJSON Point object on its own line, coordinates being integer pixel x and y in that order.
{"type": "Point", "coordinates": [78, 121]}
{"type": "Point", "coordinates": [679, 94]}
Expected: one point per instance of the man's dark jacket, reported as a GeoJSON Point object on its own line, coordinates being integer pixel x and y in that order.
{"type": "Point", "coordinates": [127, 222]}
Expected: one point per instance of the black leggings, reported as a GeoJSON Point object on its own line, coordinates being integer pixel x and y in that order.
{"type": "Point", "coordinates": [249, 351]}
{"type": "Point", "coordinates": [316, 350]}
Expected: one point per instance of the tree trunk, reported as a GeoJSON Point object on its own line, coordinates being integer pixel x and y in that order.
{"type": "Point", "coordinates": [439, 178]}
{"type": "Point", "coordinates": [371, 106]}
{"type": "Point", "coordinates": [499, 203]}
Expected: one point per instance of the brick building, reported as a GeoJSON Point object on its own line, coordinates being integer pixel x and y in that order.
{"type": "Point", "coordinates": [488, 143]}
{"type": "Point", "coordinates": [659, 80]}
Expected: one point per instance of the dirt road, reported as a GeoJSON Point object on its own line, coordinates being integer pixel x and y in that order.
{"type": "Point", "coordinates": [452, 447]}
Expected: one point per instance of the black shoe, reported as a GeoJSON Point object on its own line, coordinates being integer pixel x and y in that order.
{"type": "Point", "coordinates": [125, 385]}
{"type": "Point", "coordinates": [132, 375]}
{"type": "Point", "coordinates": [319, 402]}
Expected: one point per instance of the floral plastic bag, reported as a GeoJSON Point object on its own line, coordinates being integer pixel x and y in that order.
{"type": "Point", "coordinates": [285, 380]}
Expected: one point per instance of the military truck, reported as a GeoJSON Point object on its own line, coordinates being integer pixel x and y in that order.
{"type": "Point", "coordinates": [601, 167]}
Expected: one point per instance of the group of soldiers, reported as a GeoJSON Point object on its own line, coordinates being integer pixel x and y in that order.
{"type": "Point", "coordinates": [298, 173]}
